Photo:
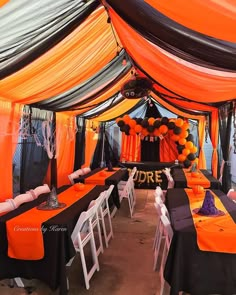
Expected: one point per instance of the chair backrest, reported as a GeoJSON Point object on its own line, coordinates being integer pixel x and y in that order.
{"type": "Point", "coordinates": [134, 170]}
{"type": "Point", "coordinates": [232, 194]}
{"type": "Point", "coordinates": [170, 179]}
{"type": "Point", "coordinates": [167, 227]}
{"type": "Point", "coordinates": [84, 222]}
{"type": "Point", "coordinates": [159, 193]}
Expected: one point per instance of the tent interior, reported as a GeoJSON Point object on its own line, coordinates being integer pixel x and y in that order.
{"type": "Point", "coordinates": [76, 76]}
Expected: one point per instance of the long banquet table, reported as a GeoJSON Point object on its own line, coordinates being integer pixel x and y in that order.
{"type": "Point", "coordinates": [58, 246]}
{"type": "Point", "coordinates": [181, 181]}
{"type": "Point", "coordinates": [188, 268]}
{"type": "Point", "coordinates": [114, 178]}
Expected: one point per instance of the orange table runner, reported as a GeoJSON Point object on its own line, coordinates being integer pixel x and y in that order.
{"type": "Point", "coordinates": [200, 180]}
{"type": "Point", "coordinates": [216, 234]}
{"type": "Point", "coordinates": [25, 231]}
{"type": "Point", "coordinates": [100, 177]}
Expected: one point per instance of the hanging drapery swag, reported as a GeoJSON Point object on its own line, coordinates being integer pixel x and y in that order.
{"type": "Point", "coordinates": [149, 128]}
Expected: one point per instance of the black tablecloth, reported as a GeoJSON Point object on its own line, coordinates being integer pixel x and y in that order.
{"type": "Point", "coordinates": [181, 182]}
{"type": "Point", "coordinates": [58, 246]}
{"type": "Point", "coordinates": [189, 269]}
{"type": "Point", "coordinates": [114, 179]}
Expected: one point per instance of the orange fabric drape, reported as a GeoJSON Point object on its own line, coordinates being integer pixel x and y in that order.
{"type": "Point", "coordinates": [215, 234]}
{"type": "Point", "coordinates": [168, 150]}
{"type": "Point", "coordinates": [213, 18]}
{"type": "Point", "coordinates": [72, 61]}
{"type": "Point", "coordinates": [100, 177]}
{"type": "Point", "coordinates": [196, 84]}
{"type": "Point", "coordinates": [201, 136]}
{"type": "Point", "coordinates": [91, 139]}
{"type": "Point", "coordinates": [3, 2]}
{"type": "Point", "coordinates": [9, 130]}
{"type": "Point", "coordinates": [130, 148]}
{"type": "Point", "coordinates": [65, 147]}
{"type": "Point", "coordinates": [24, 232]}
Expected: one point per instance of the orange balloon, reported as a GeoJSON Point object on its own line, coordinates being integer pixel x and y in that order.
{"type": "Point", "coordinates": [151, 121]}
{"type": "Point", "coordinates": [182, 141]}
{"type": "Point", "coordinates": [179, 122]}
{"type": "Point", "coordinates": [193, 150]}
{"type": "Point", "coordinates": [185, 152]}
{"type": "Point", "coordinates": [185, 126]}
{"type": "Point", "coordinates": [175, 137]}
{"type": "Point", "coordinates": [163, 129]}
{"type": "Point", "coordinates": [181, 157]}
{"type": "Point", "coordinates": [189, 145]}
{"type": "Point", "coordinates": [156, 132]}
{"type": "Point", "coordinates": [138, 128]}
{"type": "Point", "coordinates": [145, 132]}
{"type": "Point", "coordinates": [132, 123]}
{"type": "Point", "coordinates": [118, 119]}
{"type": "Point", "coordinates": [126, 118]}
{"type": "Point", "coordinates": [184, 134]}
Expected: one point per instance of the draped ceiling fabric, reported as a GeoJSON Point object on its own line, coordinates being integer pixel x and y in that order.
{"type": "Point", "coordinates": [68, 57]}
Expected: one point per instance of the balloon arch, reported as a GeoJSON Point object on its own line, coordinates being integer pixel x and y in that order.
{"type": "Point", "coordinates": [178, 129]}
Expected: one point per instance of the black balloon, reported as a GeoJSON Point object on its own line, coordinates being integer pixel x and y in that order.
{"type": "Point", "coordinates": [157, 124]}
{"type": "Point", "coordinates": [177, 130]}
{"type": "Point", "coordinates": [171, 125]}
{"type": "Point", "coordinates": [180, 148]}
{"type": "Point", "coordinates": [164, 121]}
{"type": "Point", "coordinates": [145, 123]}
{"type": "Point", "coordinates": [191, 156]}
{"type": "Point", "coordinates": [190, 138]}
{"type": "Point", "coordinates": [139, 121]}
{"type": "Point", "coordinates": [187, 163]}
{"type": "Point", "coordinates": [121, 123]}
{"type": "Point", "coordinates": [150, 128]}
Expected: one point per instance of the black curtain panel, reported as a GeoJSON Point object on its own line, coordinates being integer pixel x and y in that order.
{"type": "Point", "coordinates": [33, 158]}
{"type": "Point", "coordinates": [99, 157]}
{"type": "Point", "coordinates": [225, 113]}
{"type": "Point", "coordinates": [80, 143]}
{"type": "Point", "coordinates": [150, 149]}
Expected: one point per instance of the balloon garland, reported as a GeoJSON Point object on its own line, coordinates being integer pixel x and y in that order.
{"type": "Point", "coordinates": [178, 130]}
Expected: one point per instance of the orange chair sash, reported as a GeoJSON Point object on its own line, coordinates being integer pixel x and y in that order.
{"type": "Point", "coordinates": [25, 231]}
{"type": "Point", "coordinates": [215, 234]}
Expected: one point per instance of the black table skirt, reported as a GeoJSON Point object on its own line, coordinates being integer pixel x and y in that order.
{"type": "Point", "coordinates": [58, 246]}
{"type": "Point", "coordinates": [188, 268]}
{"type": "Point", "coordinates": [181, 182]}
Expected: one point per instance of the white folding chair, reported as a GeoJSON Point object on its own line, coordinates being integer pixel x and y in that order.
{"type": "Point", "coordinates": [159, 193]}
{"type": "Point", "coordinates": [81, 236]}
{"type": "Point", "coordinates": [232, 194]}
{"type": "Point", "coordinates": [128, 193]}
{"type": "Point", "coordinates": [104, 213]}
{"type": "Point", "coordinates": [168, 234]}
{"type": "Point", "coordinates": [122, 183]}
{"type": "Point", "coordinates": [159, 233]}
{"type": "Point", "coordinates": [96, 223]}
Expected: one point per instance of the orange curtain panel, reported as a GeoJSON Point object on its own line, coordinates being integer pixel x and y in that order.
{"type": "Point", "coordinates": [9, 129]}
{"type": "Point", "coordinates": [196, 84]}
{"type": "Point", "coordinates": [168, 150]}
{"type": "Point", "coordinates": [65, 147]}
{"type": "Point", "coordinates": [130, 148]}
{"type": "Point", "coordinates": [213, 18]}
{"type": "Point", "coordinates": [65, 65]}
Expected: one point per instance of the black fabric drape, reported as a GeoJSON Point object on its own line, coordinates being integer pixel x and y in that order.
{"type": "Point", "coordinates": [150, 150]}
{"type": "Point", "coordinates": [225, 113]}
{"type": "Point", "coordinates": [98, 157]}
{"type": "Point", "coordinates": [42, 39]}
{"type": "Point", "coordinates": [80, 143]}
{"type": "Point", "coordinates": [33, 159]}
{"type": "Point", "coordinates": [185, 43]}
{"type": "Point", "coordinates": [104, 79]}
